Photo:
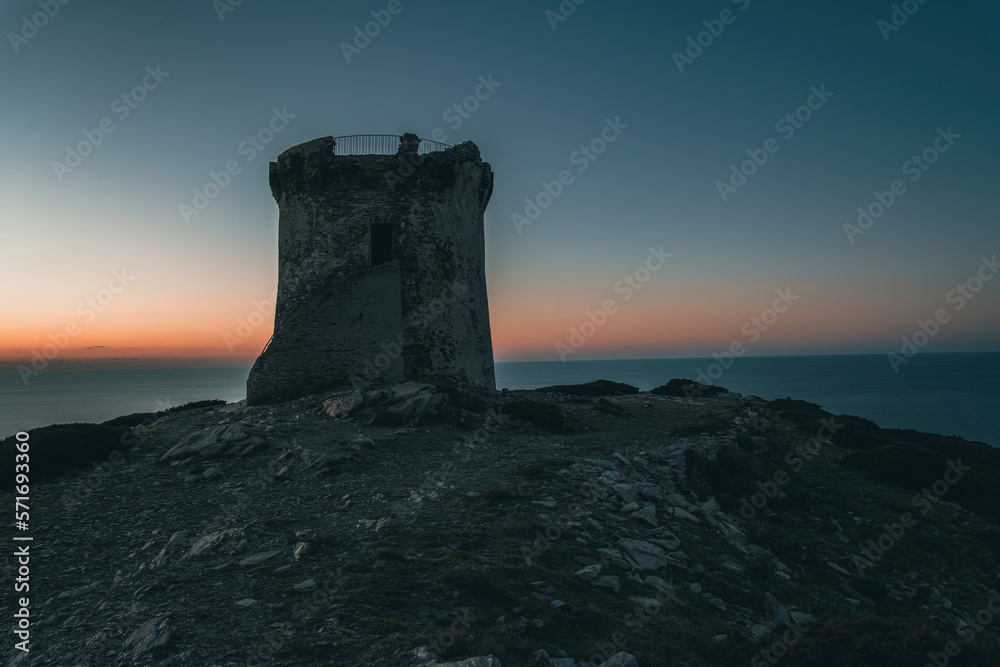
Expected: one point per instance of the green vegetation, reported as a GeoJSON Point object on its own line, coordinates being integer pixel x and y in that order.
{"type": "Point", "coordinates": [595, 388]}
{"type": "Point", "coordinates": [543, 415]}
{"type": "Point", "coordinates": [683, 388]}
{"type": "Point", "coordinates": [909, 459]}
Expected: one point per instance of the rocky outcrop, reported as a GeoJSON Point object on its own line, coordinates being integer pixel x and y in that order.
{"type": "Point", "coordinates": [422, 525]}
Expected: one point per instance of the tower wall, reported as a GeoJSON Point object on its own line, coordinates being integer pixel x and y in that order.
{"type": "Point", "coordinates": [421, 315]}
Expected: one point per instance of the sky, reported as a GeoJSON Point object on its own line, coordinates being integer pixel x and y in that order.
{"type": "Point", "coordinates": [714, 157]}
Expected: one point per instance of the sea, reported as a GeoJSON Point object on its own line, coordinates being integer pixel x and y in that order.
{"type": "Point", "coordinates": [951, 394]}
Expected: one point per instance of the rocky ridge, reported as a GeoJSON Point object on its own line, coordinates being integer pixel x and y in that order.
{"type": "Point", "coordinates": [416, 525]}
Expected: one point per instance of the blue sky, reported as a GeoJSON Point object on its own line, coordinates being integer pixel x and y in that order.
{"type": "Point", "coordinates": [656, 184]}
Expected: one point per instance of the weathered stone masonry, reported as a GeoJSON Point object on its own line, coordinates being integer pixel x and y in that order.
{"type": "Point", "coordinates": [381, 270]}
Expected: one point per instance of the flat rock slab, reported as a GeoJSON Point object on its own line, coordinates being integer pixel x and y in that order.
{"type": "Point", "coordinates": [620, 660]}
{"type": "Point", "coordinates": [646, 555]}
{"type": "Point", "coordinates": [682, 513]}
{"type": "Point", "coordinates": [206, 443]}
{"type": "Point", "coordinates": [207, 542]}
{"type": "Point", "coordinates": [647, 514]}
{"type": "Point", "coordinates": [177, 541]}
{"type": "Point", "coordinates": [153, 634]}
{"type": "Point", "coordinates": [667, 540]}
{"type": "Point", "coordinates": [483, 661]}
{"type": "Point", "coordinates": [649, 490]}
{"type": "Point", "coordinates": [307, 586]}
{"type": "Point", "coordinates": [255, 559]}
{"type": "Point", "coordinates": [628, 492]}
{"type": "Point", "coordinates": [645, 603]}
{"type": "Point", "coordinates": [92, 588]}
{"type": "Point", "coordinates": [610, 581]}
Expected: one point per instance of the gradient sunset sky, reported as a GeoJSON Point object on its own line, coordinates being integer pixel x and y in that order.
{"type": "Point", "coordinates": [222, 75]}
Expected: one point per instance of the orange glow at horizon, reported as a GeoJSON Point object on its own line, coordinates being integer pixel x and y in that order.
{"type": "Point", "coordinates": [141, 336]}
{"type": "Point", "coordinates": [671, 318]}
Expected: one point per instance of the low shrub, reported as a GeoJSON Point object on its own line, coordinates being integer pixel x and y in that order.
{"type": "Point", "coordinates": [543, 415]}
{"type": "Point", "coordinates": [595, 388]}
{"type": "Point", "coordinates": [684, 388]}
{"type": "Point", "coordinates": [61, 447]}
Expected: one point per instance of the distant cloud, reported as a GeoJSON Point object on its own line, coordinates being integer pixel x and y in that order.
{"type": "Point", "coordinates": [95, 347]}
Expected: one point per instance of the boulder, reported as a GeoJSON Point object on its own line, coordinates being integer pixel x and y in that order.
{"type": "Point", "coordinates": [482, 661]}
{"type": "Point", "coordinates": [647, 514]}
{"type": "Point", "coordinates": [647, 556]}
{"type": "Point", "coordinates": [409, 403]}
{"type": "Point", "coordinates": [342, 407]}
{"type": "Point", "coordinates": [151, 635]}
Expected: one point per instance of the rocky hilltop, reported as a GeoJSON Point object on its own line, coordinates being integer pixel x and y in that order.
{"type": "Point", "coordinates": [417, 525]}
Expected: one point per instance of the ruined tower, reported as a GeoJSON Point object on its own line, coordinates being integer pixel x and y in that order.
{"type": "Point", "coordinates": [381, 268]}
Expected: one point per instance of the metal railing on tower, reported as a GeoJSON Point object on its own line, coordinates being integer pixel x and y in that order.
{"type": "Point", "coordinates": [380, 144]}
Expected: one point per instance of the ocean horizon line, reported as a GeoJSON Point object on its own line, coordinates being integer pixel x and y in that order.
{"type": "Point", "coordinates": [946, 393]}
{"type": "Point", "coordinates": [72, 365]}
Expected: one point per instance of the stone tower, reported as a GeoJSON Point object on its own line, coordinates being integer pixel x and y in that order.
{"type": "Point", "coordinates": [381, 270]}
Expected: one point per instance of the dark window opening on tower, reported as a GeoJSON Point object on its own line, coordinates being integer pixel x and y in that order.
{"type": "Point", "coordinates": [381, 243]}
